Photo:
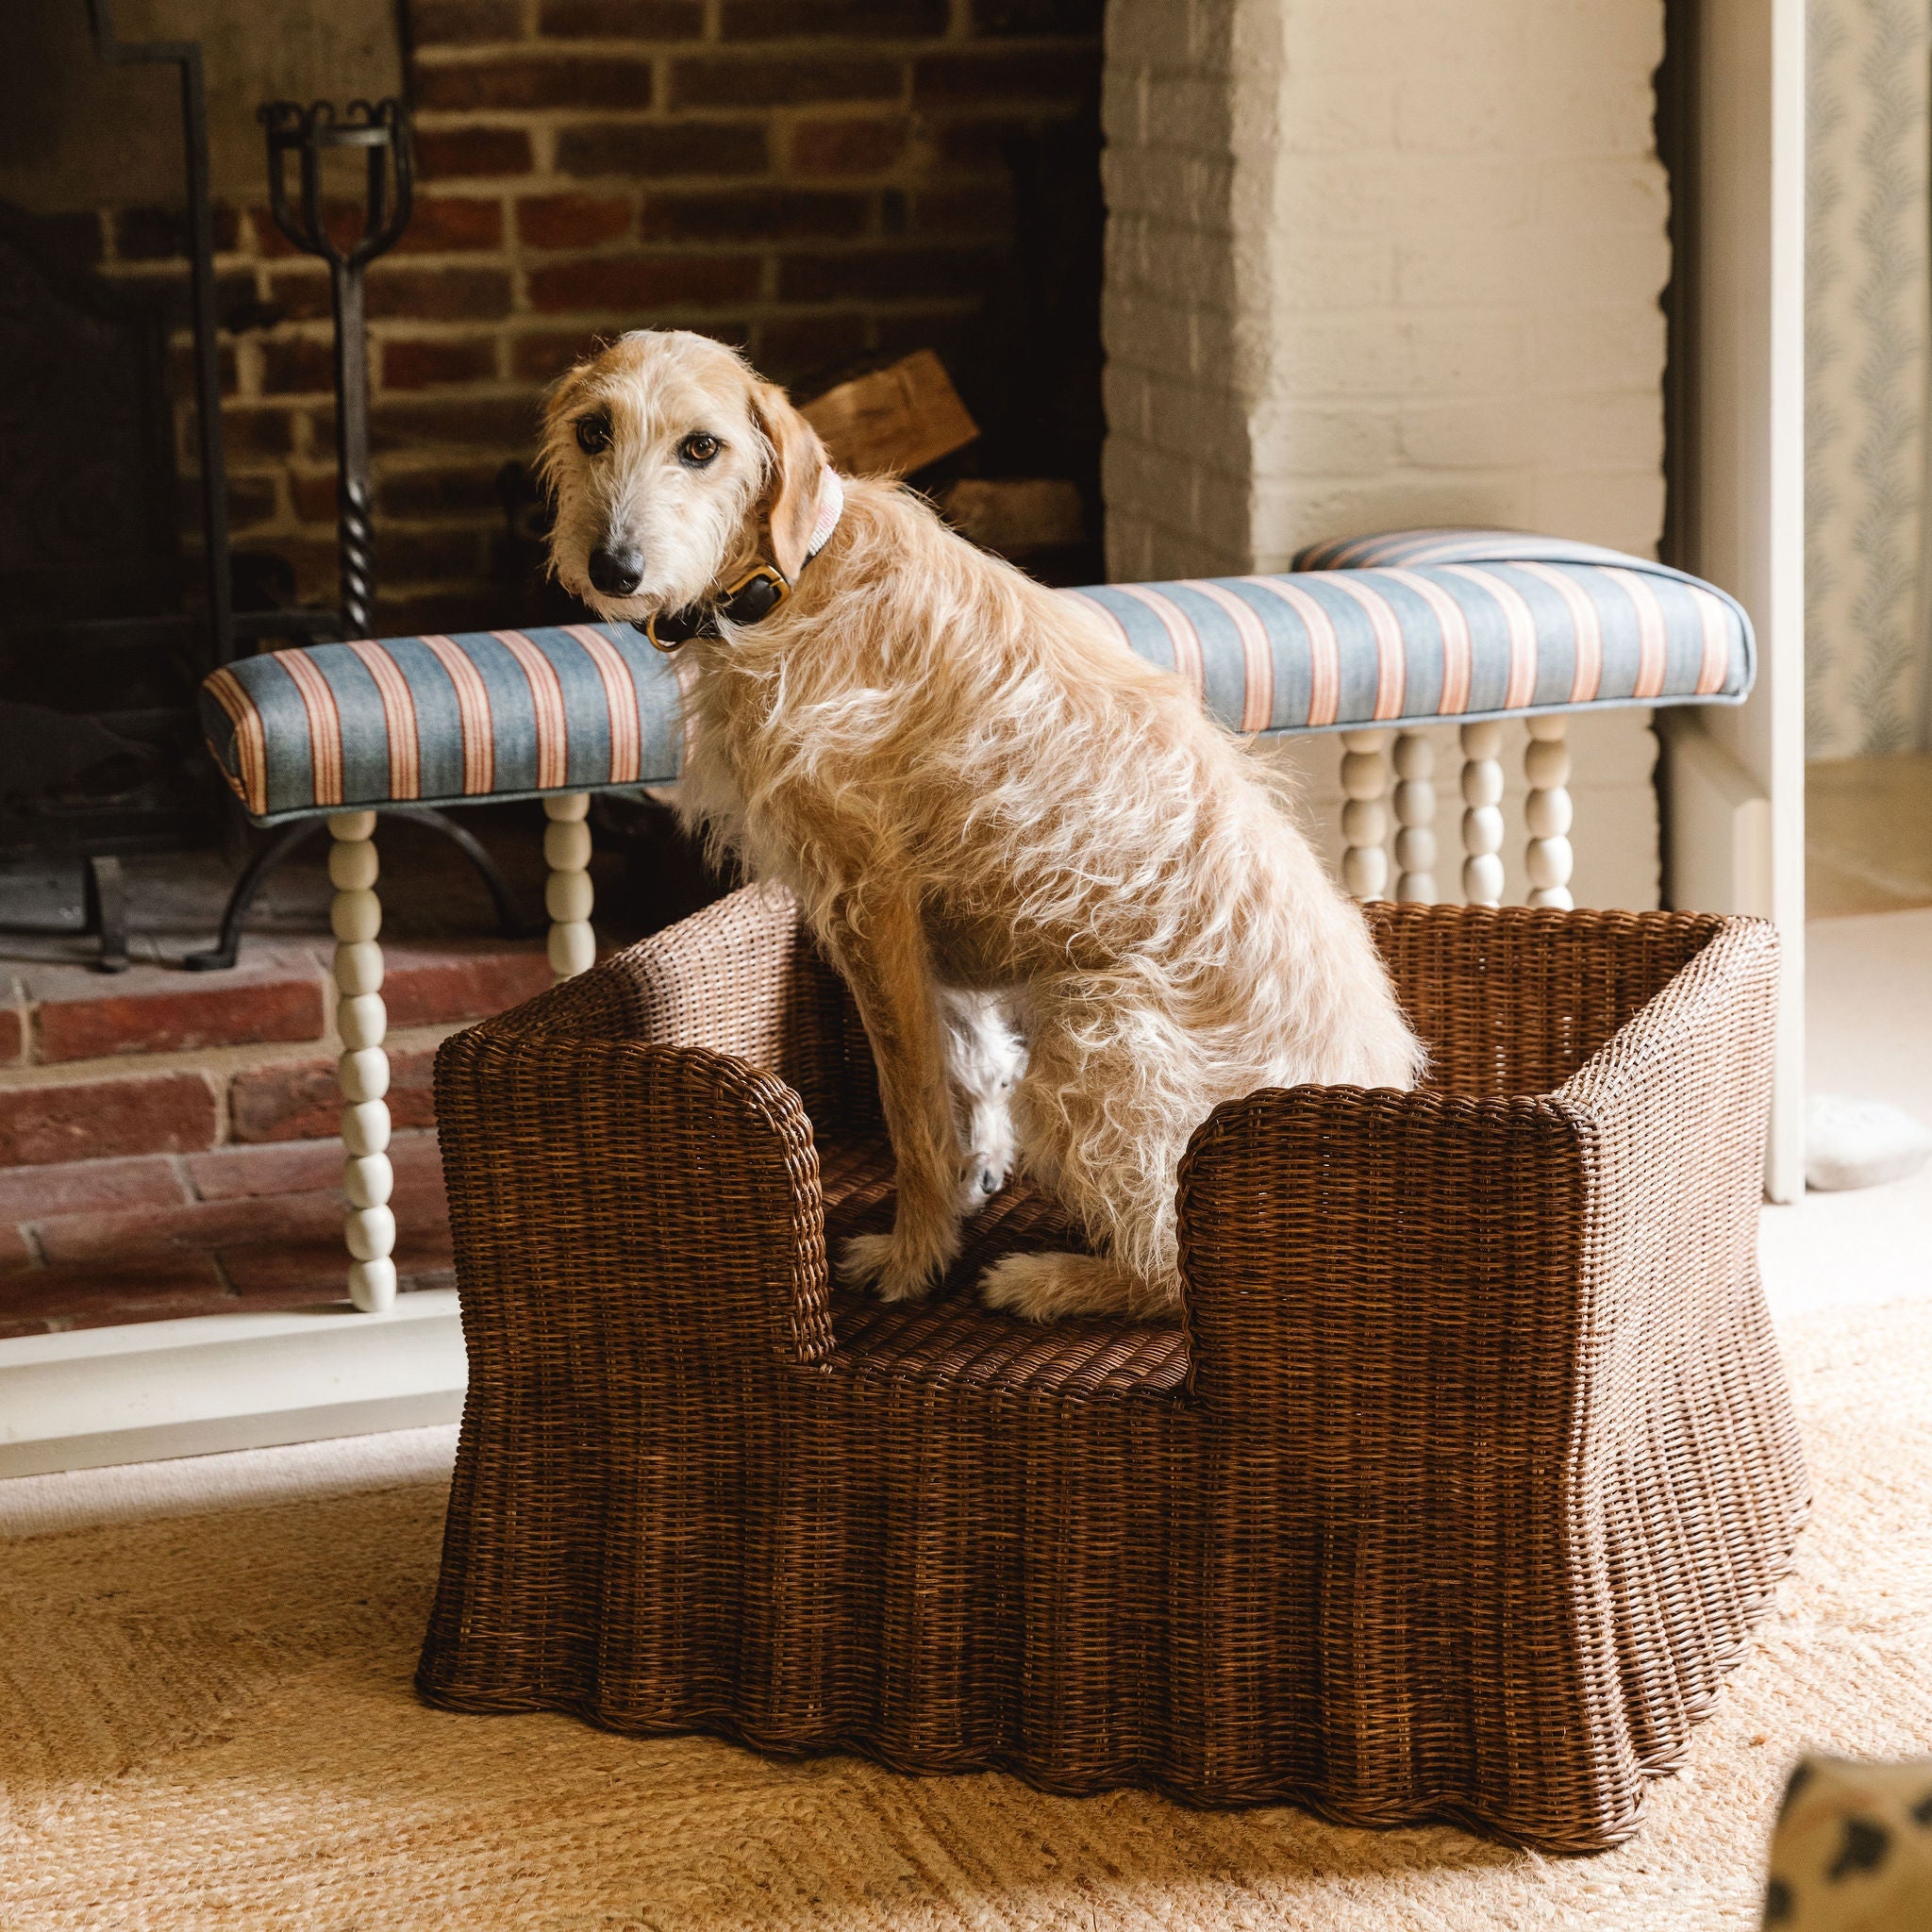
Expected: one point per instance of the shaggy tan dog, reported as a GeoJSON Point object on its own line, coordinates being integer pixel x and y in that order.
{"type": "Point", "coordinates": [989, 810]}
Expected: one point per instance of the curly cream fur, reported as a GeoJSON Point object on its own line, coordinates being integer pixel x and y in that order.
{"type": "Point", "coordinates": [973, 788]}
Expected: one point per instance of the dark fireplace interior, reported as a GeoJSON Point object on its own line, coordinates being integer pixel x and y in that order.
{"type": "Point", "coordinates": [97, 652]}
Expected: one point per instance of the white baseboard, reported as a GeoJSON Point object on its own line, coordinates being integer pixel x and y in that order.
{"type": "Point", "coordinates": [153, 1389]}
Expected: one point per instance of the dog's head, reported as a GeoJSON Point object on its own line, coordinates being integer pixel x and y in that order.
{"type": "Point", "coordinates": [674, 471]}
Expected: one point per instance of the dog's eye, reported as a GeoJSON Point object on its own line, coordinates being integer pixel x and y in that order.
{"type": "Point", "coordinates": [698, 450]}
{"type": "Point", "coordinates": [593, 433]}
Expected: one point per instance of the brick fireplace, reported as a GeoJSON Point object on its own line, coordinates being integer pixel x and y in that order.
{"type": "Point", "coordinates": [1377, 264]}
{"type": "Point", "coordinates": [823, 182]}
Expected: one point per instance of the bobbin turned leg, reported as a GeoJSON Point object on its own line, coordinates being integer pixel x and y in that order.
{"type": "Point", "coordinates": [1548, 857]}
{"type": "Point", "coordinates": [1415, 812]}
{"type": "Point", "coordinates": [1365, 817]}
{"type": "Point", "coordinates": [368, 1180]}
{"type": "Point", "coordinates": [1482, 816]}
{"type": "Point", "coordinates": [567, 891]}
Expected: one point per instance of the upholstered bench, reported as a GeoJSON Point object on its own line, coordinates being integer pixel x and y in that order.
{"type": "Point", "coordinates": [1390, 632]}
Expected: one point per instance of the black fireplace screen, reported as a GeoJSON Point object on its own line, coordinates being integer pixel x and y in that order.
{"type": "Point", "coordinates": [118, 588]}
{"type": "Point", "coordinates": [99, 651]}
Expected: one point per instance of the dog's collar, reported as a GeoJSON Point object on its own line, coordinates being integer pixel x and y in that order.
{"type": "Point", "coordinates": [755, 594]}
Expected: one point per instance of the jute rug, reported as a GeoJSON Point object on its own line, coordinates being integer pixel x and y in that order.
{"type": "Point", "coordinates": [207, 1721]}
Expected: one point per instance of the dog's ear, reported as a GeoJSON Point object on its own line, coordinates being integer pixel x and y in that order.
{"type": "Point", "coordinates": [563, 394]}
{"type": "Point", "coordinates": [798, 464]}
{"type": "Point", "coordinates": [554, 443]}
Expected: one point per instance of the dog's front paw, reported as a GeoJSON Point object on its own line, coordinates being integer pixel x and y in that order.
{"type": "Point", "coordinates": [874, 1261]}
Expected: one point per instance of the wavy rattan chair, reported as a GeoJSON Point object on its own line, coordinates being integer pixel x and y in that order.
{"type": "Point", "coordinates": [1452, 1496]}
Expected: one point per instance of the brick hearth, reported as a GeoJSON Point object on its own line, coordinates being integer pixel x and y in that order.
{"type": "Point", "coordinates": [167, 1138]}
{"type": "Point", "coordinates": [165, 1142]}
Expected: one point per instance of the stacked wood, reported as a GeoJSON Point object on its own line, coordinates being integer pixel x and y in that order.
{"type": "Point", "coordinates": [899, 420]}
{"type": "Point", "coordinates": [894, 421]}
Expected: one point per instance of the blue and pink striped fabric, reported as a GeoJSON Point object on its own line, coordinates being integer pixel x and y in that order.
{"type": "Point", "coordinates": [1408, 548]}
{"type": "Point", "coordinates": [439, 720]}
{"type": "Point", "coordinates": [1418, 625]}
{"type": "Point", "coordinates": [1405, 628]}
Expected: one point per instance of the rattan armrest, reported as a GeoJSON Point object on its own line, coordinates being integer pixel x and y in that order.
{"type": "Point", "coordinates": [1693, 1061]}
{"type": "Point", "coordinates": [1371, 1259]}
{"type": "Point", "coordinates": [1358, 1261]}
{"type": "Point", "coordinates": [1671, 1116]}
{"type": "Point", "coordinates": [740, 977]}
{"type": "Point", "coordinates": [639, 1195]}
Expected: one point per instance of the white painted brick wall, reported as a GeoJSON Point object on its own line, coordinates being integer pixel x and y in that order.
{"type": "Point", "coordinates": [1384, 263]}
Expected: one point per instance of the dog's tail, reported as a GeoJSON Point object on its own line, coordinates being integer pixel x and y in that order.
{"type": "Point", "coordinates": [1046, 1287]}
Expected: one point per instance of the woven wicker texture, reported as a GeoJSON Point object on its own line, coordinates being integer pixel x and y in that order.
{"type": "Point", "coordinates": [1451, 1497]}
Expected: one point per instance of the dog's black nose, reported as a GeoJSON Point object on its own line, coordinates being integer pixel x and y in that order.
{"type": "Point", "coordinates": [617, 572]}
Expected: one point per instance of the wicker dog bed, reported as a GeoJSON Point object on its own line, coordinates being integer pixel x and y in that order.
{"type": "Point", "coordinates": [1452, 1498]}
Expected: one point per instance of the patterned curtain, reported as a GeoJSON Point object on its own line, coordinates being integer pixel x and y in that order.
{"type": "Point", "coordinates": [1868, 603]}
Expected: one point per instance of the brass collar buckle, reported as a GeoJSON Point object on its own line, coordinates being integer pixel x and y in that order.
{"type": "Point", "coordinates": [754, 596]}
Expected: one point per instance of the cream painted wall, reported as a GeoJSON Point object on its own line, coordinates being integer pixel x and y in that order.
{"type": "Point", "coordinates": [1745, 521]}
{"type": "Point", "coordinates": [1383, 264]}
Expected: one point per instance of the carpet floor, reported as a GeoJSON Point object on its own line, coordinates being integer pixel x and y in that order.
{"type": "Point", "coordinates": [205, 1719]}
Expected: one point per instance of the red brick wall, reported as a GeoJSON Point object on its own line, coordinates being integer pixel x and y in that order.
{"type": "Point", "coordinates": [817, 180]}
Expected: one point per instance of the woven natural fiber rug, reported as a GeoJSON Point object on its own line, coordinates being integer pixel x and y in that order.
{"type": "Point", "coordinates": [207, 1721]}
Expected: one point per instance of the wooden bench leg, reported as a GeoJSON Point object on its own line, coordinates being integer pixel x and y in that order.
{"type": "Point", "coordinates": [1365, 817]}
{"type": "Point", "coordinates": [1415, 813]}
{"type": "Point", "coordinates": [1482, 816]}
{"type": "Point", "coordinates": [1548, 813]}
{"type": "Point", "coordinates": [567, 896]}
{"type": "Point", "coordinates": [363, 1071]}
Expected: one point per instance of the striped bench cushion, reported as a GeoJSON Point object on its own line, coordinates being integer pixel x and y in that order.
{"type": "Point", "coordinates": [1404, 549]}
{"type": "Point", "coordinates": [1408, 627]}
{"type": "Point", "coordinates": [1423, 625]}
{"type": "Point", "coordinates": [439, 720]}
